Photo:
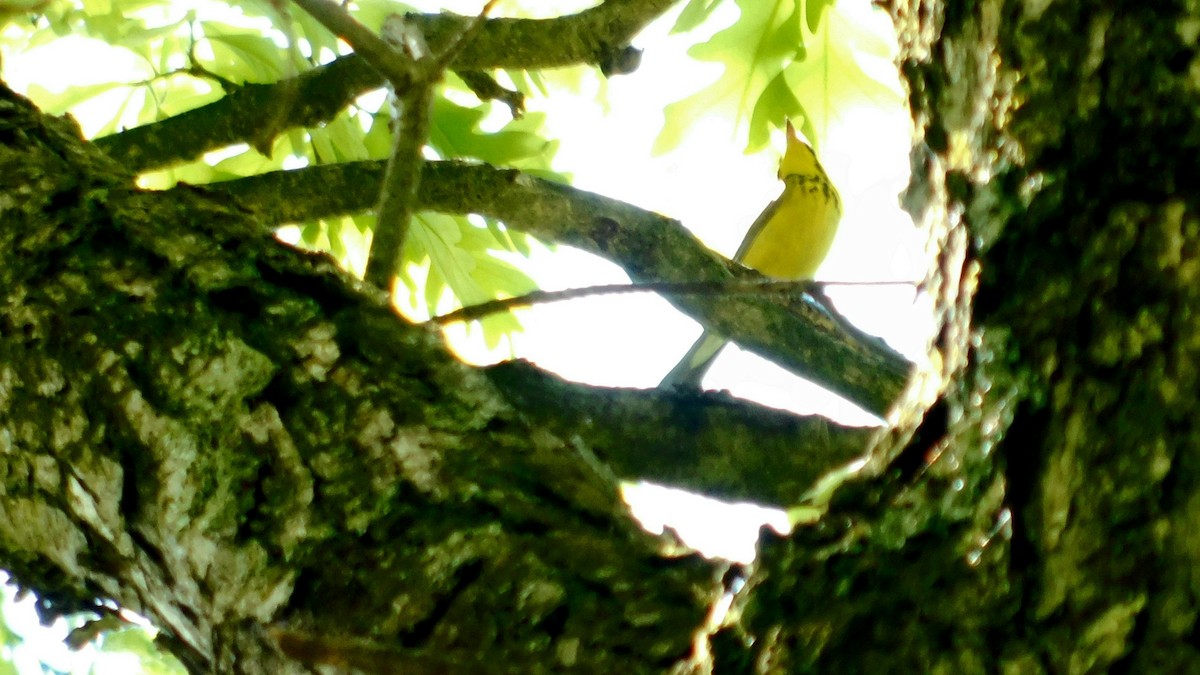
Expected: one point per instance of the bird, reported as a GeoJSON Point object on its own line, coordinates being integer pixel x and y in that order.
{"type": "Point", "coordinates": [787, 242]}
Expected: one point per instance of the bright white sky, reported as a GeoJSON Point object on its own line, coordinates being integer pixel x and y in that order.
{"type": "Point", "coordinates": [715, 190]}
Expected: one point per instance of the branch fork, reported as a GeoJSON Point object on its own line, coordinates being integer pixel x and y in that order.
{"type": "Point", "coordinates": [402, 55]}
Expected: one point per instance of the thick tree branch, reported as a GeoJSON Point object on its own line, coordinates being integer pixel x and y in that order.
{"type": "Point", "coordinates": [237, 439]}
{"type": "Point", "coordinates": [710, 443]}
{"type": "Point", "coordinates": [800, 335]}
{"type": "Point", "coordinates": [240, 116]}
{"type": "Point", "coordinates": [591, 36]}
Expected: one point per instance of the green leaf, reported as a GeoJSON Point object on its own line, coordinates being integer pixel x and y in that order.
{"type": "Point", "coordinates": [295, 142]}
{"type": "Point", "coordinates": [461, 261]}
{"type": "Point", "coordinates": [378, 140]}
{"type": "Point", "coordinates": [372, 13]}
{"type": "Point", "coordinates": [180, 94]}
{"type": "Point", "coordinates": [528, 82]}
{"type": "Point", "coordinates": [849, 64]}
{"type": "Point", "coordinates": [322, 146]}
{"type": "Point", "coordinates": [138, 643]}
{"type": "Point", "coordinates": [246, 163]}
{"type": "Point", "coordinates": [347, 138]}
{"type": "Point", "coordinates": [813, 12]}
{"type": "Point", "coordinates": [694, 13]}
{"type": "Point", "coordinates": [315, 34]}
{"type": "Point", "coordinates": [243, 56]}
{"type": "Point", "coordinates": [496, 274]}
{"type": "Point", "coordinates": [109, 26]}
{"type": "Point", "coordinates": [134, 97]}
{"type": "Point", "coordinates": [512, 239]}
{"type": "Point", "coordinates": [766, 38]}
{"type": "Point", "coordinates": [311, 233]}
{"type": "Point", "coordinates": [803, 60]}
{"type": "Point", "coordinates": [65, 101]}
{"type": "Point", "coordinates": [776, 103]}
{"type": "Point", "coordinates": [454, 132]}
{"type": "Point", "coordinates": [438, 236]}
{"type": "Point", "coordinates": [365, 222]}
{"type": "Point", "coordinates": [145, 41]}
{"type": "Point", "coordinates": [333, 230]}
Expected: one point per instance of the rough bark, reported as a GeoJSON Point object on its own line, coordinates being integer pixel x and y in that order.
{"type": "Point", "coordinates": [1041, 516]}
{"type": "Point", "coordinates": [244, 445]}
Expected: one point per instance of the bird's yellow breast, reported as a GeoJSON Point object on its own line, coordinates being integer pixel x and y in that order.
{"type": "Point", "coordinates": [797, 236]}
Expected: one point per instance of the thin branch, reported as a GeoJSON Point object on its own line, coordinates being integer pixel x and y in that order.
{"type": "Point", "coordinates": [401, 183]}
{"type": "Point", "coordinates": [398, 195]}
{"type": "Point", "coordinates": [477, 311]}
{"type": "Point", "coordinates": [890, 282]}
{"type": "Point", "coordinates": [486, 88]}
{"type": "Point", "coordinates": [403, 57]}
{"type": "Point", "coordinates": [480, 310]}
{"type": "Point", "coordinates": [411, 76]}
{"type": "Point", "coordinates": [197, 70]}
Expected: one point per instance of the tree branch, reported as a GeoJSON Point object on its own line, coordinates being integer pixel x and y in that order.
{"type": "Point", "coordinates": [402, 55]}
{"type": "Point", "coordinates": [708, 442]}
{"type": "Point", "coordinates": [478, 311]}
{"type": "Point", "coordinates": [800, 335]}
{"type": "Point", "coordinates": [814, 288]}
{"type": "Point", "coordinates": [399, 189]}
{"type": "Point", "coordinates": [385, 58]}
{"type": "Point", "coordinates": [486, 88]}
{"type": "Point", "coordinates": [591, 36]}
{"type": "Point", "coordinates": [402, 181]}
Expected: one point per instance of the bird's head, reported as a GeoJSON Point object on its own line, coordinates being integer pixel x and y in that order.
{"type": "Point", "coordinates": [799, 159]}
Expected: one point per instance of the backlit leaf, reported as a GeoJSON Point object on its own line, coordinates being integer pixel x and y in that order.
{"type": "Point", "coordinates": [765, 39]}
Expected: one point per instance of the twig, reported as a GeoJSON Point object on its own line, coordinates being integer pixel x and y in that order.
{"type": "Point", "coordinates": [195, 69]}
{"type": "Point", "coordinates": [813, 288]}
{"type": "Point", "coordinates": [480, 310]}
{"type": "Point", "coordinates": [901, 282]}
{"type": "Point", "coordinates": [486, 88]}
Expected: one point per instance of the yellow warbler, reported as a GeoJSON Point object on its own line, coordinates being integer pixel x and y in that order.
{"type": "Point", "coordinates": [787, 241]}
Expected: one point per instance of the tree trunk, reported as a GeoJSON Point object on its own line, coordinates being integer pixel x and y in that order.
{"type": "Point", "coordinates": [1040, 516]}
